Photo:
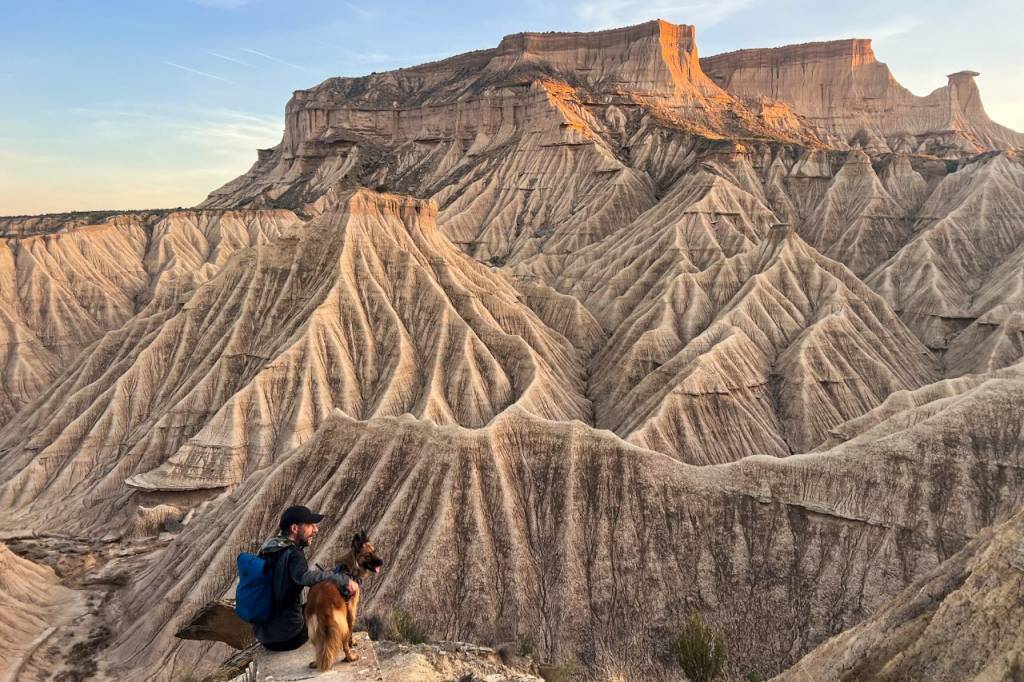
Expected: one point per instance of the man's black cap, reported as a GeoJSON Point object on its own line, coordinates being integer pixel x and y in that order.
{"type": "Point", "coordinates": [299, 514]}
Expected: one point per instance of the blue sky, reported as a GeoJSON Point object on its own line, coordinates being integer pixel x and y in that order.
{"type": "Point", "coordinates": [153, 103]}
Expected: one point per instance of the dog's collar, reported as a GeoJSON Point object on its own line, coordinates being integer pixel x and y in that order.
{"type": "Point", "coordinates": [342, 568]}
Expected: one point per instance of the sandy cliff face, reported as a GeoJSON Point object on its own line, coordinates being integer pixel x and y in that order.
{"type": "Point", "coordinates": [843, 89]}
{"type": "Point", "coordinates": [655, 59]}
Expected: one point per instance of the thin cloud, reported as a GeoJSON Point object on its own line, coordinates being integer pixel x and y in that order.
{"type": "Point", "coordinates": [199, 73]}
{"type": "Point", "coordinates": [168, 107]}
{"type": "Point", "coordinates": [376, 57]}
{"type": "Point", "coordinates": [363, 14]}
{"type": "Point", "coordinates": [612, 13]}
{"type": "Point", "coordinates": [398, 59]}
{"type": "Point", "coordinates": [221, 130]}
{"type": "Point", "coordinates": [895, 26]}
{"type": "Point", "coordinates": [229, 59]}
{"type": "Point", "coordinates": [272, 58]}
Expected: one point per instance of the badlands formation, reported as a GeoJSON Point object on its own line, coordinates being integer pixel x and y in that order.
{"type": "Point", "coordinates": [588, 332]}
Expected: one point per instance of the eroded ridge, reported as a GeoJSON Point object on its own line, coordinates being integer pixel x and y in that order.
{"type": "Point", "coordinates": [368, 309]}
{"type": "Point", "coordinates": [67, 280]}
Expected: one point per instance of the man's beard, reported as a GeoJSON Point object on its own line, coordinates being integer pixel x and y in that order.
{"type": "Point", "coordinates": [302, 541]}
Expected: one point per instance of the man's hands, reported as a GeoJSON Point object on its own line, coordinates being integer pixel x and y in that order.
{"type": "Point", "coordinates": [348, 589]}
{"type": "Point", "coordinates": [346, 586]}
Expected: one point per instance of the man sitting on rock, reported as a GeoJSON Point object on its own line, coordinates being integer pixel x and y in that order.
{"type": "Point", "coordinates": [284, 552]}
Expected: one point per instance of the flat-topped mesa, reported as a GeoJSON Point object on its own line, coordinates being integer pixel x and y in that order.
{"type": "Point", "coordinates": [656, 58]}
{"type": "Point", "coordinates": [846, 91]}
{"type": "Point", "coordinates": [652, 57]}
{"type": "Point", "coordinates": [854, 51]}
{"type": "Point", "coordinates": [416, 129]}
{"type": "Point", "coordinates": [655, 62]}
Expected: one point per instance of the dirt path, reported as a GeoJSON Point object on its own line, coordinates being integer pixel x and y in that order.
{"type": "Point", "coordinates": [93, 570]}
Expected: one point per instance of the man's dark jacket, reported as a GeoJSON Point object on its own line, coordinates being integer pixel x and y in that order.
{"type": "Point", "coordinates": [290, 574]}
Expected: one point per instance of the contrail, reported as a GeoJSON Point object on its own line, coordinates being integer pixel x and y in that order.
{"type": "Point", "coordinates": [198, 72]}
{"type": "Point", "coordinates": [273, 59]}
{"type": "Point", "coordinates": [230, 59]}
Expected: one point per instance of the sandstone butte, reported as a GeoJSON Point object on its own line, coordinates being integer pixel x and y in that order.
{"type": "Point", "coordinates": [587, 331]}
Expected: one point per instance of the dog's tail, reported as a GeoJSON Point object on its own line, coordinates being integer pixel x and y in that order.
{"type": "Point", "coordinates": [328, 628]}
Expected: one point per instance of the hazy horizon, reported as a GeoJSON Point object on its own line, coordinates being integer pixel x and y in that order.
{"type": "Point", "coordinates": [121, 105]}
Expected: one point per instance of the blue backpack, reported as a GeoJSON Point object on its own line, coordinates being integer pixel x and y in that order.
{"type": "Point", "coordinates": [254, 596]}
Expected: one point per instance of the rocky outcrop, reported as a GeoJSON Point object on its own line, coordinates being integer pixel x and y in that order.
{"type": "Point", "coordinates": [843, 89]}
{"type": "Point", "coordinates": [379, 661]}
{"type": "Point", "coordinates": [551, 142]}
{"type": "Point", "coordinates": [969, 609]}
{"type": "Point", "coordinates": [218, 622]}
{"type": "Point", "coordinates": [151, 521]}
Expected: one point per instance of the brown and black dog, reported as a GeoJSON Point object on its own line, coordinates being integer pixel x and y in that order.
{"type": "Point", "coordinates": [331, 619]}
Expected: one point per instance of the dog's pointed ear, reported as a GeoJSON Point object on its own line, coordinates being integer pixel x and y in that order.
{"type": "Point", "coordinates": [357, 542]}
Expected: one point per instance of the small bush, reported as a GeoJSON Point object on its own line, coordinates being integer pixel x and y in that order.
{"type": "Point", "coordinates": [755, 677]}
{"type": "Point", "coordinates": [396, 625]}
{"type": "Point", "coordinates": [376, 626]}
{"type": "Point", "coordinates": [526, 645]}
{"type": "Point", "coordinates": [699, 651]}
{"type": "Point", "coordinates": [382, 188]}
{"type": "Point", "coordinates": [405, 629]}
{"type": "Point", "coordinates": [552, 672]}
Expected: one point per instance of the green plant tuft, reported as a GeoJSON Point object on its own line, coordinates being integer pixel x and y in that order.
{"type": "Point", "coordinates": [699, 651]}
{"type": "Point", "coordinates": [526, 645]}
{"type": "Point", "coordinates": [552, 672]}
{"type": "Point", "coordinates": [405, 628]}
{"type": "Point", "coordinates": [375, 625]}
